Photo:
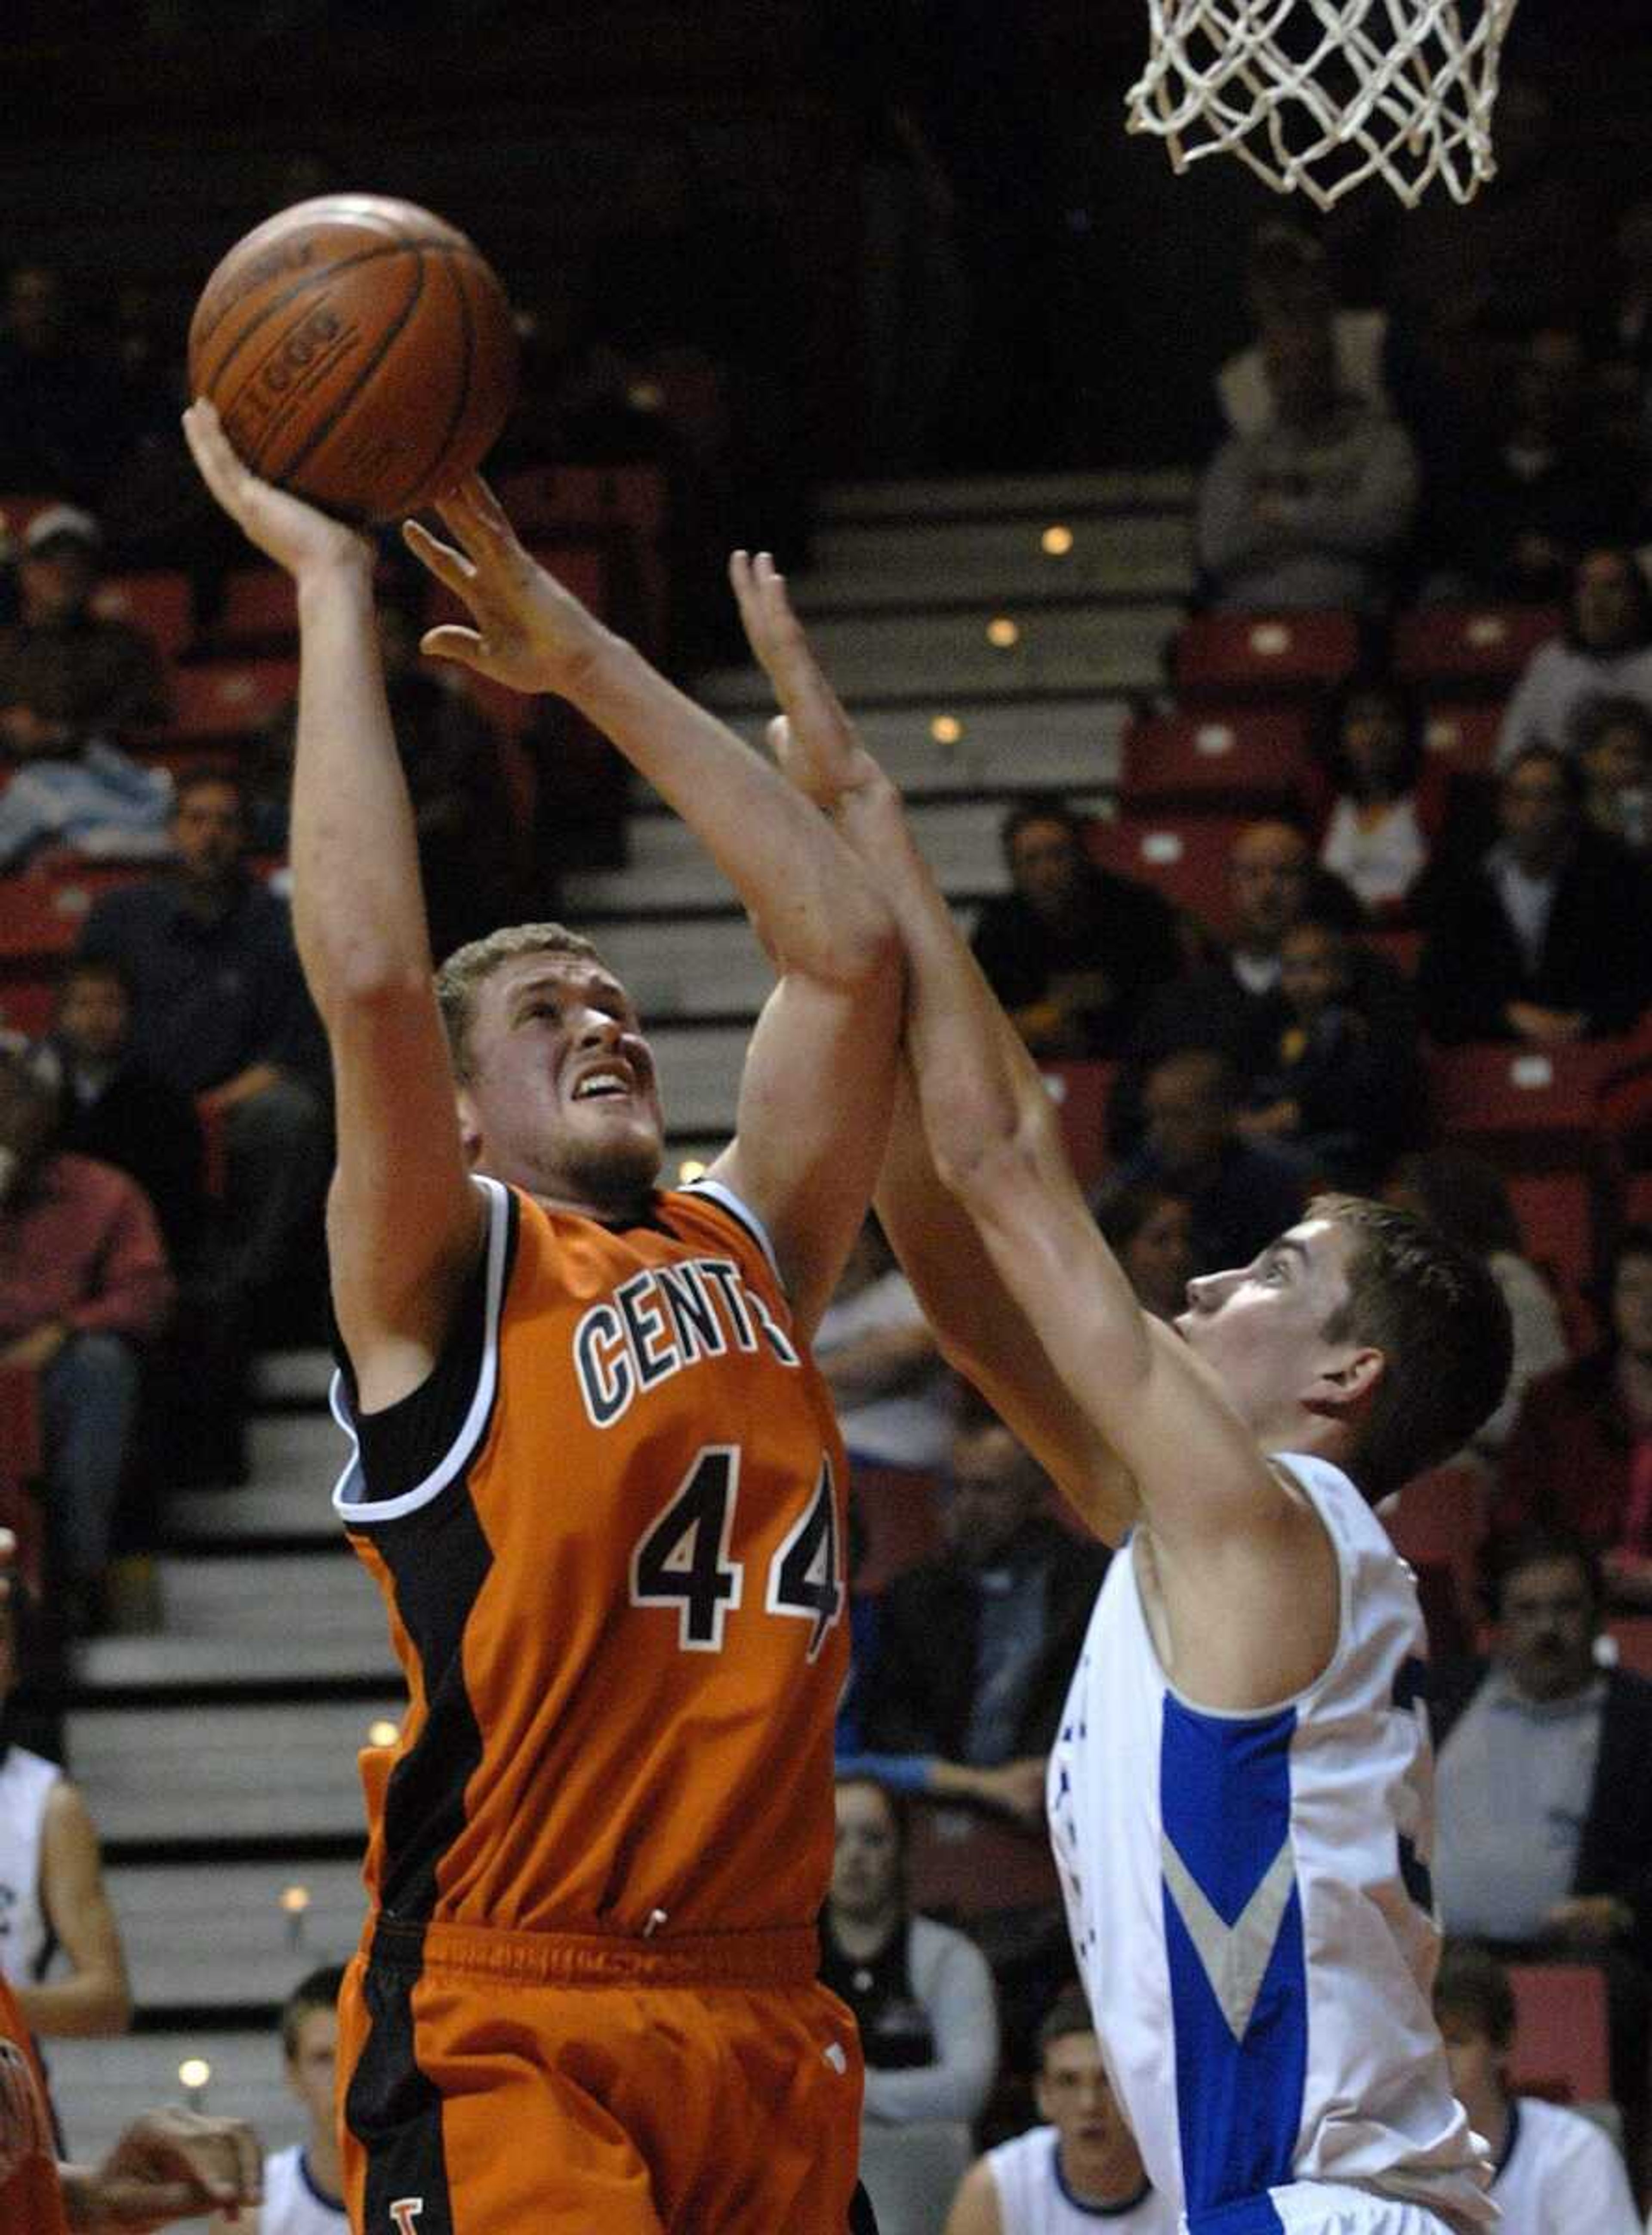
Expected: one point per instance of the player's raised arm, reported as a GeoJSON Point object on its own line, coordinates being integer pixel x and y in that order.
{"type": "Point", "coordinates": [404, 1219]}
{"type": "Point", "coordinates": [816, 1092]}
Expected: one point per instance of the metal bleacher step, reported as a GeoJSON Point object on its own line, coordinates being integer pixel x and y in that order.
{"type": "Point", "coordinates": [986, 496]}
{"type": "Point", "coordinates": [1044, 557]}
{"type": "Point", "coordinates": [893, 659]}
{"type": "Point", "coordinates": [232, 1783]}
{"type": "Point", "coordinates": [983, 748]}
{"type": "Point", "coordinates": [231, 1936]}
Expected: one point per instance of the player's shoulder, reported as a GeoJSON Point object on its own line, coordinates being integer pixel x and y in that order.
{"type": "Point", "coordinates": [1559, 2135]}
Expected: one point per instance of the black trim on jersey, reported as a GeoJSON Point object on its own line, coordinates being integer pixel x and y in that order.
{"type": "Point", "coordinates": [392, 2107]}
{"type": "Point", "coordinates": [747, 1224]}
{"type": "Point", "coordinates": [404, 1444]}
{"type": "Point", "coordinates": [307, 2176]}
{"type": "Point", "coordinates": [438, 1559]}
{"type": "Point", "coordinates": [1510, 2136]}
{"type": "Point", "coordinates": [862, 2221]}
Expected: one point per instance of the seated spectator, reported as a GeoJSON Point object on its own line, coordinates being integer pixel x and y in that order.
{"type": "Point", "coordinates": [975, 1649]}
{"type": "Point", "coordinates": [60, 1945]}
{"type": "Point", "coordinates": [1579, 1459]}
{"type": "Point", "coordinates": [1315, 510]}
{"type": "Point", "coordinates": [1345, 1095]}
{"type": "Point", "coordinates": [222, 1014]}
{"type": "Point", "coordinates": [1240, 1193]}
{"type": "Point", "coordinates": [921, 1992]}
{"type": "Point", "coordinates": [1466, 1199]}
{"type": "Point", "coordinates": [1611, 741]}
{"type": "Point", "coordinates": [1081, 2164]}
{"type": "Point", "coordinates": [1554, 2171]}
{"type": "Point", "coordinates": [1547, 938]}
{"type": "Point", "coordinates": [892, 1390]}
{"type": "Point", "coordinates": [1149, 1231]}
{"type": "Point", "coordinates": [1520, 507]}
{"type": "Point", "coordinates": [468, 836]}
{"type": "Point", "coordinates": [84, 1286]}
{"type": "Point", "coordinates": [1543, 1839]}
{"type": "Point", "coordinates": [1071, 949]}
{"type": "Point", "coordinates": [1235, 1003]}
{"type": "Point", "coordinates": [1286, 272]}
{"type": "Point", "coordinates": [1605, 651]}
{"type": "Point", "coordinates": [1381, 817]}
{"type": "Point", "coordinates": [66, 673]}
{"type": "Point", "coordinates": [114, 1107]}
{"type": "Point", "coordinates": [304, 2185]}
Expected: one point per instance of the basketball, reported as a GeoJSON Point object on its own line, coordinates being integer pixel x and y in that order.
{"type": "Point", "coordinates": [360, 353]}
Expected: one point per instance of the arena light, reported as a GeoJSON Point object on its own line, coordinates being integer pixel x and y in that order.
{"type": "Point", "coordinates": [692, 1168]}
{"type": "Point", "coordinates": [193, 2075]}
{"type": "Point", "coordinates": [1002, 633]}
{"type": "Point", "coordinates": [946, 729]}
{"type": "Point", "coordinates": [383, 1733]}
{"type": "Point", "coordinates": [1056, 542]}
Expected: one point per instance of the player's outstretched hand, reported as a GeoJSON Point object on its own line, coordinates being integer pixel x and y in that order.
{"type": "Point", "coordinates": [169, 2165]}
{"type": "Point", "coordinates": [530, 634]}
{"type": "Point", "coordinates": [295, 535]}
{"type": "Point", "coordinates": [812, 737]}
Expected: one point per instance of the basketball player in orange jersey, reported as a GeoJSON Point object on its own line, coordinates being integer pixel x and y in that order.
{"type": "Point", "coordinates": [595, 1474]}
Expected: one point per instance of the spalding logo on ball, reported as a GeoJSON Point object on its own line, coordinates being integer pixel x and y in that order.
{"type": "Point", "coordinates": [361, 353]}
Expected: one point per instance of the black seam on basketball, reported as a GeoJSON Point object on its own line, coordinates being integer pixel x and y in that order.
{"type": "Point", "coordinates": [209, 381]}
{"type": "Point", "coordinates": [320, 434]}
{"type": "Point", "coordinates": [401, 501]}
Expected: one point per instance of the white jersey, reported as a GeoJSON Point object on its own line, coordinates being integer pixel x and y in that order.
{"type": "Point", "coordinates": [1250, 1907]}
{"type": "Point", "coordinates": [26, 1939]}
{"type": "Point", "coordinates": [1034, 2200]}
{"type": "Point", "coordinates": [292, 2204]}
{"type": "Point", "coordinates": [1559, 2175]}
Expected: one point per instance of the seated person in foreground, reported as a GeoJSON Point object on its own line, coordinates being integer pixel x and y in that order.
{"type": "Point", "coordinates": [1556, 2172]}
{"type": "Point", "coordinates": [1547, 937]}
{"type": "Point", "coordinates": [921, 1991]}
{"type": "Point", "coordinates": [1380, 817]}
{"type": "Point", "coordinates": [1071, 949]}
{"type": "Point", "coordinates": [1544, 1844]}
{"type": "Point", "coordinates": [1076, 2170]}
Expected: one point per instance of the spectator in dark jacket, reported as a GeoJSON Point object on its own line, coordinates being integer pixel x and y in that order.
{"type": "Point", "coordinates": [1547, 937]}
{"type": "Point", "coordinates": [975, 1649]}
{"type": "Point", "coordinates": [1071, 950]}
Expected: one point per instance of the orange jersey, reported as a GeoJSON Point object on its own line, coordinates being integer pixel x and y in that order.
{"type": "Point", "coordinates": [609, 1533]}
{"type": "Point", "coordinates": [31, 2200]}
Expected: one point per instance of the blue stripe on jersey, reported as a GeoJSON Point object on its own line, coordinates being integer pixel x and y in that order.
{"type": "Point", "coordinates": [1238, 1976]}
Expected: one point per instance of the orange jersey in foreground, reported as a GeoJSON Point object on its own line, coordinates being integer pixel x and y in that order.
{"type": "Point", "coordinates": [609, 1533]}
{"type": "Point", "coordinates": [32, 2201]}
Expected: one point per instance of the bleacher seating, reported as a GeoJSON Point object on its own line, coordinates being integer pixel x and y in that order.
{"type": "Point", "coordinates": [1438, 1523]}
{"type": "Point", "coordinates": [1182, 856]}
{"type": "Point", "coordinates": [1238, 761]}
{"type": "Point", "coordinates": [962, 1862]}
{"type": "Point", "coordinates": [222, 700]}
{"type": "Point", "coordinates": [161, 603]}
{"type": "Point", "coordinates": [1470, 649]}
{"type": "Point", "coordinates": [1080, 1092]}
{"type": "Point", "coordinates": [1227, 656]}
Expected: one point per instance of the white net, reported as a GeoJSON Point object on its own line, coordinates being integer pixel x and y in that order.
{"type": "Point", "coordinates": [1319, 95]}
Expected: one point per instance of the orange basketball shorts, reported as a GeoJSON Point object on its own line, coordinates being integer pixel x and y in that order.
{"type": "Point", "coordinates": [499, 2083]}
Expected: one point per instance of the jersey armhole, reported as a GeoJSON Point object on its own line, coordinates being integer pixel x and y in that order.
{"type": "Point", "coordinates": [744, 1217]}
{"type": "Point", "coordinates": [403, 1457]}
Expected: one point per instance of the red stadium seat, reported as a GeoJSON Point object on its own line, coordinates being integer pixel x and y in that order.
{"type": "Point", "coordinates": [1632, 1635]}
{"type": "Point", "coordinates": [900, 1510]}
{"type": "Point", "coordinates": [1558, 1217]}
{"type": "Point", "coordinates": [159, 603]}
{"type": "Point", "coordinates": [1264, 655]}
{"type": "Point", "coordinates": [1437, 1522]}
{"type": "Point", "coordinates": [1079, 1091]}
{"type": "Point", "coordinates": [42, 910]}
{"type": "Point", "coordinates": [1480, 647]}
{"type": "Point", "coordinates": [1530, 1109]}
{"type": "Point", "coordinates": [230, 698]}
{"type": "Point", "coordinates": [19, 1466]}
{"type": "Point", "coordinates": [970, 1865]}
{"type": "Point", "coordinates": [1560, 2038]}
{"type": "Point", "coordinates": [259, 613]}
{"type": "Point", "coordinates": [27, 1001]}
{"type": "Point", "coordinates": [1182, 856]}
{"type": "Point", "coordinates": [627, 507]}
{"type": "Point", "coordinates": [1462, 740]}
{"type": "Point", "coordinates": [1240, 760]}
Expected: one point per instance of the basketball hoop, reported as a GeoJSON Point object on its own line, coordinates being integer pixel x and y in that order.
{"type": "Point", "coordinates": [1319, 95]}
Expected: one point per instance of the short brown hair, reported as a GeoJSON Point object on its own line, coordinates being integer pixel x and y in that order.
{"type": "Point", "coordinates": [1436, 1312]}
{"type": "Point", "coordinates": [1472, 1986]}
{"type": "Point", "coordinates": [316, 1990]}
{"type": "Point", "coordinates": [466, 969]}
{"type": "Point", "coordinates": [1068, 2014]}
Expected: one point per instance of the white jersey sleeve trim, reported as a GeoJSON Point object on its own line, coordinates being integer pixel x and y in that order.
{"type": "Point", "coordinates": [349, 1498]}
{"type": "Point", "coordinates": [742, 1210]}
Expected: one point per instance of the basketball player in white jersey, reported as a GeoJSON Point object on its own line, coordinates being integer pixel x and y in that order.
{"type": "Point", "coordinates": [1242, 1791]}
{"type": "Point", "coordinates": [303, 2188]}
{"type": "Point", "coordinates": [1077, 2172]}
{"type": "Point", "coordinates": [53, 1902]}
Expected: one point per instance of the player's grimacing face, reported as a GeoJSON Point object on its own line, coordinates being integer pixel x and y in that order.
{"type": "Point", "coordinates": [562, 1093]}
{"type": "Point", "coordinates": [1261, 1328]}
